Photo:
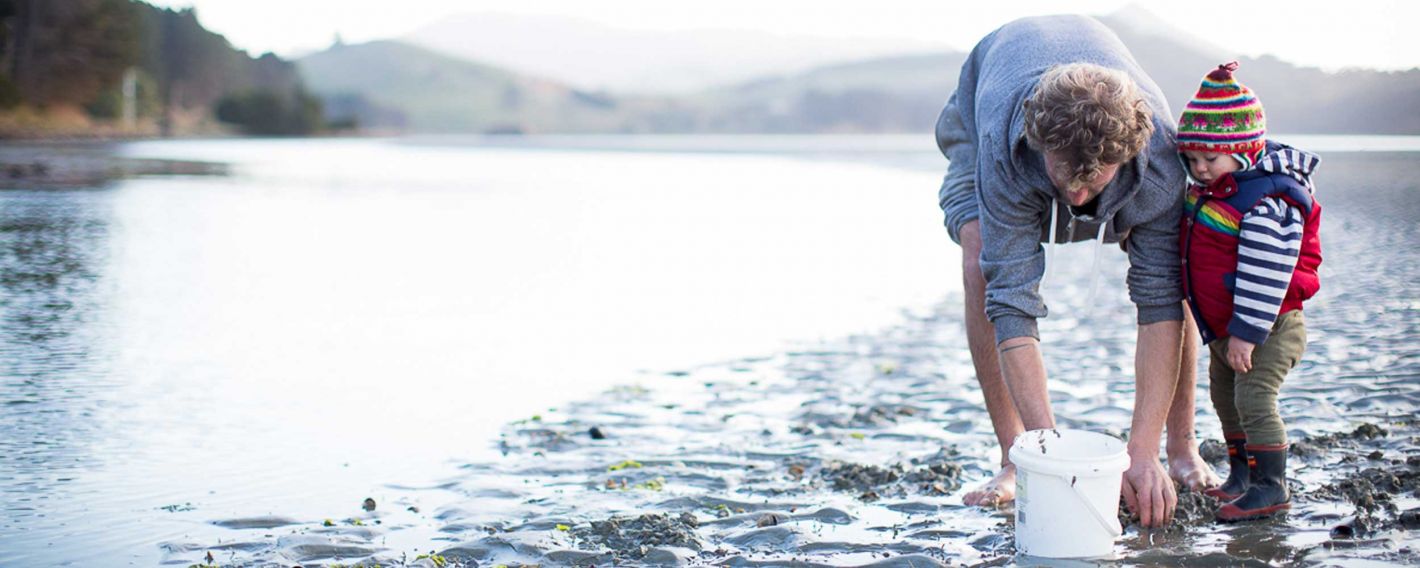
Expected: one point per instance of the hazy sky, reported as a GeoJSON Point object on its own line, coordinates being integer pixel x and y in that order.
{"type": "Point", "coordinates": [1330, 34]}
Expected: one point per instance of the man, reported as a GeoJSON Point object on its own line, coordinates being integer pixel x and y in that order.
{"type": "Point", "coordinates": [1053, 118]}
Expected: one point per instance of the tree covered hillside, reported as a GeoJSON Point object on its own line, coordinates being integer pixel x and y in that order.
{"type": "Point", "coordinates": [97, 67]}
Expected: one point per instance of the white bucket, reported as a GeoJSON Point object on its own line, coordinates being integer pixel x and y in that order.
{"type": "Point", "coordinates": [1067, 492]}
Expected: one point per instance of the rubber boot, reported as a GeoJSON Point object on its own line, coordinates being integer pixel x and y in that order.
{"type": "Point", "coordinates": [1238, 470]}
{"type": "Point", "coordinates": [1266, 492]}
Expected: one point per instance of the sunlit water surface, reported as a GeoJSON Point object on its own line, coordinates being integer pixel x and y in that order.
{"type": "Point", "coordinates": [336, 315]}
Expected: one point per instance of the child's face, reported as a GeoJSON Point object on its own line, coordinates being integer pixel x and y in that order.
{"type": "Point", "coordinates": [1208, 166]}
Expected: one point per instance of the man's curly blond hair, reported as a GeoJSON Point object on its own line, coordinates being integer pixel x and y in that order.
{"type": "Point", "coordinates": [1093, 116]}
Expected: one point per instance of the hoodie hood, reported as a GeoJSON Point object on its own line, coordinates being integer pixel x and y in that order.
{"type": "Point", "coordinates": [1292, 162]}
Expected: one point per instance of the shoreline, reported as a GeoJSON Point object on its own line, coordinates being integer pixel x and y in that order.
{"type": "Point", "coordinates": [75, 165]}
{"type": "Point", "coordinates": [76, 162]}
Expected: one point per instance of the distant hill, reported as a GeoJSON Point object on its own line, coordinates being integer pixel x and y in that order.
{"type": "Point", "coordinates": [412, 87]}
{"type": "Point", "coordinates": [903, 93]}
{"type": "Point", "coordinates": [1297, 99]}
{"type": "Point", "coordinates": [891, 94]}
{"type": "Point", "coordinates": [592, 56]}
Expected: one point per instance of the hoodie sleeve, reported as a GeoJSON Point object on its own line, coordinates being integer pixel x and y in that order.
{"type": "Point", "coordinates": [1013, 264]}
{"type": "Point", "coordinates": [1269, 240]}
{"type": "Point", "coordinates": [958, 144]}
{"type": "Point", "coordinates": [1155, 274]}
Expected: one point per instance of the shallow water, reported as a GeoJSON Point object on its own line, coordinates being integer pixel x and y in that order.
{"type": "Point", "coordinates": [330, 316]}
{"type": "Point", "coordinates": [829, 452]}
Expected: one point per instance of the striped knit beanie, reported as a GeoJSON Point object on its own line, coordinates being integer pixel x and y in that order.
{"type": "Point", "coordinates": [1223, 117]}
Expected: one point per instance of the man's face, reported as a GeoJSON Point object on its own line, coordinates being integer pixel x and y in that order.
{"type": "Point", "coordinates": [1067, 188]}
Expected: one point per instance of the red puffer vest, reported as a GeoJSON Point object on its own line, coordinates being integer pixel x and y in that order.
{"type": "Point", "coordinates": [1209, 244]}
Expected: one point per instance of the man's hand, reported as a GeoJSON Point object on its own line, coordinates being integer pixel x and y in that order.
{"type": "Point", "coordinates": [1146, 487]}
{"type": "Point", "coordinates": [1148, 491]}
{"type": "Point", "coordinates": [1240, 354]}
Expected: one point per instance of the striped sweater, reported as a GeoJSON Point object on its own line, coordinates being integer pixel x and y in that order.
{"type": "Point", "coordinates": [1269, 241]}
{"type": "Point", "coordinates": [1250, 246]}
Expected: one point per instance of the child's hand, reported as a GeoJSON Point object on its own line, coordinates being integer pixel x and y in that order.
{"type": "Point", "coordinates": [1240, 354]}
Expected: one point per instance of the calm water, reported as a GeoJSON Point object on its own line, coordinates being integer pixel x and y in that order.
{"type": "Point", "coordinates": [337, 316]}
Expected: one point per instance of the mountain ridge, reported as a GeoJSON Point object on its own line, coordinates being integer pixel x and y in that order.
{"type": "Point", "coordinates": [639, 62]}
{"type": "Point", "coordinates": [896, 93]}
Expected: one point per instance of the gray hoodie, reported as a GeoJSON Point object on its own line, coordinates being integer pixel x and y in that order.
{"type": "Point", "coordinates": [982, 130]}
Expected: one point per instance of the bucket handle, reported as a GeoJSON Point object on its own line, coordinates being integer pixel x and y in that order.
{"type": "Point", "coordinates": [1111, 525]}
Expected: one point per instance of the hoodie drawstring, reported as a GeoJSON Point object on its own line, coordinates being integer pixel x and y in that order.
{"type": "Point", "coordinates": [1095, 272]}
{"type": "Point", "coordinates": [1050, 244]}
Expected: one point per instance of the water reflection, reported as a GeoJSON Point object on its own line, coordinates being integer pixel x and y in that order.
{"type": "Point", "coordinates": [53, 249]}
{"type": "Point", "coordinates": [50, 247]}
{"type": "Point", "coordinates": [334, 315]}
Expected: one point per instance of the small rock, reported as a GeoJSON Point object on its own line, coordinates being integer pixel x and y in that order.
{"type": "Point", "coordinates": [1410, 519]}
{"type": "Point", "coordinates": [636, 537]}
{"type": "Point", "coordinates": [1349, 528]}
{"type": "Point", "coordinates": [1213, 451]}
{"type": "Point", "coordinates": [1369, 431]}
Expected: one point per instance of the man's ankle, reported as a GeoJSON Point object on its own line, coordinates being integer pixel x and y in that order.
{"type": "Point", "coordinates": [1181, 447]}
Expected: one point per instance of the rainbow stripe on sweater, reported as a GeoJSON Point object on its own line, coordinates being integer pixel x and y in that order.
{"type": "Point", "coordinates": [1215, 215]}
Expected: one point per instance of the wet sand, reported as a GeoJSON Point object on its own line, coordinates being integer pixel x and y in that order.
{"type": "Point", "coordinates": [856, 452]}
{"type": "Point", "coordinates": [826, 457]}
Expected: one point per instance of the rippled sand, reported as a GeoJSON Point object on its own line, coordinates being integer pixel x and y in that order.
{"type": "Point", "coordinates": [856, 452]}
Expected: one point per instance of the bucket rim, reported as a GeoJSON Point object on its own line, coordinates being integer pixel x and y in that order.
{"type": "Point", "coordinates": [1093, 466]}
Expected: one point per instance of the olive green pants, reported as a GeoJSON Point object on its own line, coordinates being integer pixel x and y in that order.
{"type": "Point", "coordinates": [1247, 402]}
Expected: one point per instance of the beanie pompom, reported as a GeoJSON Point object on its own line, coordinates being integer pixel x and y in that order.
{"type": "Point", "coordinates": [1224, 72]}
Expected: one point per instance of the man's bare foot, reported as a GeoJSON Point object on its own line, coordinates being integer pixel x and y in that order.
{"type": "Point", "coordinates": [1190, 471]}
{"type": "Point", "coordinates": [997, 491]}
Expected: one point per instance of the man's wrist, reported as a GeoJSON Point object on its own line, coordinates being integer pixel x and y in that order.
{"type": "Point", "coordinates": [1142, 450]}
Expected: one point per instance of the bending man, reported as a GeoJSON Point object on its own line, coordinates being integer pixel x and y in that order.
{"type": "Point", "coordinates": [1052, 116]}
